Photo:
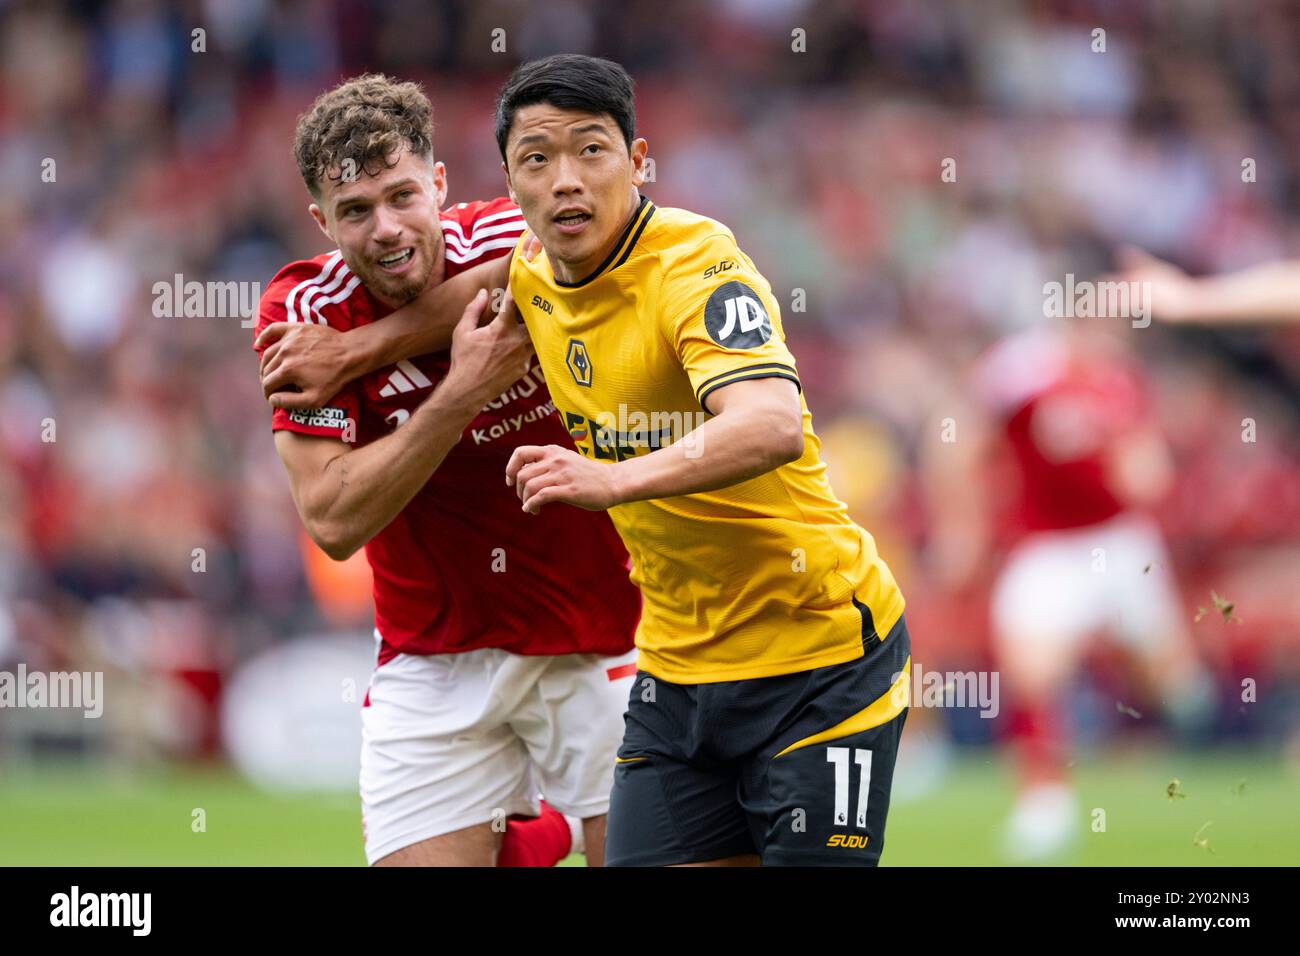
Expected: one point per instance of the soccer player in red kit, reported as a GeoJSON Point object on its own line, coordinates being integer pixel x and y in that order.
{"type": "Point", "coordinates": [503, 644]}
{"type": "Point", "coordinates": [1061, 425]}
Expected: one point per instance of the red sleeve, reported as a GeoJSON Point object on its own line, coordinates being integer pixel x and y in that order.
{"type": "Point", "coordinates": [478, 231]}
{"type": "Point", "coordinates": [315, 290]}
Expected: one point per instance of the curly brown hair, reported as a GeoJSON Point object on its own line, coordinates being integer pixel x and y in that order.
{"type": "Point", "coordinates": [367, 119]}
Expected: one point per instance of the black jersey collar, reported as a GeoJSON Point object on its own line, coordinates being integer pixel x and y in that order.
{"type": "Point", "coordinates": [622, 249]}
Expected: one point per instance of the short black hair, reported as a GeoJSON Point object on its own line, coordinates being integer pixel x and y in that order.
{"type": "Point", "coordinates": [568, 81]}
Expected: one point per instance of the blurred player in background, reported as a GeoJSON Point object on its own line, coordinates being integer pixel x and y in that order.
{"type": "Point", "coordinates": [1055, 455]}
{"type": "Point", "coordinates": [497, 674]}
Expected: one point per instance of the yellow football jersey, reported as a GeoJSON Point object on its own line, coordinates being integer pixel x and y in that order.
{"type": "Point", "coordinates": [766, 577]}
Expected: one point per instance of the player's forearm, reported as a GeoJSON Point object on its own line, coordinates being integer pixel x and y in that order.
{"type": "Point", "coordinates": [733, 447]}
{"type": "Point", "coordinates": [953, 482]}
{"type": "Point", "coordinates": [1266, 293]}
{"type": "Point", "coordinates": [424, 325]}
{"type": "Point", "coordinates": [358, 493]}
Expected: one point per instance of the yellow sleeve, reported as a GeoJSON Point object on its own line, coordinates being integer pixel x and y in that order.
{"type": "Point", "coordinates": [719, 314]}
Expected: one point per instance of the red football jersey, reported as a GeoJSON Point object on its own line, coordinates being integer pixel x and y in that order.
{"type": "Point", "coordinates": [1061, 415]}
{"type": "Point", "coordinates": [462, 566]}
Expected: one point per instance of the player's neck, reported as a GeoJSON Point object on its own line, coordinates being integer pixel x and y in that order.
{"type": "Point", "coordinates": [577, 271]}
{"type": "Point", "coordinates": [439, 271]}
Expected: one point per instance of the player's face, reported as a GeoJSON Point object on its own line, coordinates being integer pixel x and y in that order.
{"type": "Point", "coordinates": [387, 226]}
{"type": "Point", "coordinates": [575, 180]}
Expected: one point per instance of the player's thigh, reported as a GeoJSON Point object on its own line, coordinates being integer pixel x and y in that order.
{"type": "Point", "coordinates": [666, 809]}
{"type": "Point", "coordinates": [435, 757]}
{"type": "Point", "coordinates": [1148, 617]}
{"type": "Point", "coordinates": [827, 804]}
{"type": "Point", "coordinates": [471, 846]}
{"type": "Point", "coordinates": [593, 838]}
{"type": "Point", "coordinates": [1048, 600]}
{"type": "Point", "coordinates": [571, 721]}
{"type": "Point", "coordinates": [818, 794]}
{"type": "Point", "coordinates": [666, 812]}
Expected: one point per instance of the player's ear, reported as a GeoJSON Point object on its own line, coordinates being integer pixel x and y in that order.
{"type": "Point", "coordinates": [440, 183]}
{"type": "Point", "coordinates": [509, 188]}
{"type": "Point", "coordinates": [319, 216]}
{"type": "Point", "coordinates": [640, 149]}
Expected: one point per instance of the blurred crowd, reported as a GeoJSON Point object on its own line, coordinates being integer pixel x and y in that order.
{"type": "Point", "coordinates": [146, 527]}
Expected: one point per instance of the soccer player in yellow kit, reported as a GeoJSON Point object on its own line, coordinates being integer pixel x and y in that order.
{"type": "Point", "coordinates": [765, 717]}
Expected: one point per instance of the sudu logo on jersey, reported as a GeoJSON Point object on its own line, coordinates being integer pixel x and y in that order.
{"type": "Point", "coordinates": [850, 840]}
{"type": "Point", "coordinates": [735, 317]}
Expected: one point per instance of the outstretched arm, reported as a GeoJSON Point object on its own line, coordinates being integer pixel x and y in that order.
{"type": "Point", "coordinates": [954, 451]}
{"type": "Point", "coordinates": [345, 496]}
{"type": "Point", "coordinates": [1268, 293]}
{"type": "Point", "coordinates": [304, 365]}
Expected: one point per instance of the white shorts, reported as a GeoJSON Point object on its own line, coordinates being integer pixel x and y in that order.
{"type": "Point", "coordinates": [454, 740]}
{"type": "Point", "coordinates": [1059, 588]}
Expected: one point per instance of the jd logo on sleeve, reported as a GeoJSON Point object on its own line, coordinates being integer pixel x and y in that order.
{"type": "Point", "coordinates": [735, 317]}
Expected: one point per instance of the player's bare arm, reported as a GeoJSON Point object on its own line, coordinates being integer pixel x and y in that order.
{"type": "Point", "coordinates": [1264, 294]}
{"type": "Point", "coordinates": [346, 496]}
{"type": "Point", "coordinates": [319, 360]}
{"type": "Point", "coordinates": [954, 481]}
{"type": "Point", "coordinates": [1140, 466]}
{"type": "Point", "coordinates": [757, 426]}
{"type": "Point", "coordinates": [304, 365]}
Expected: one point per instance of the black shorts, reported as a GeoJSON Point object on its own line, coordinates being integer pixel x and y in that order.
{"type": "Point", "coordinates": [796, 768]}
